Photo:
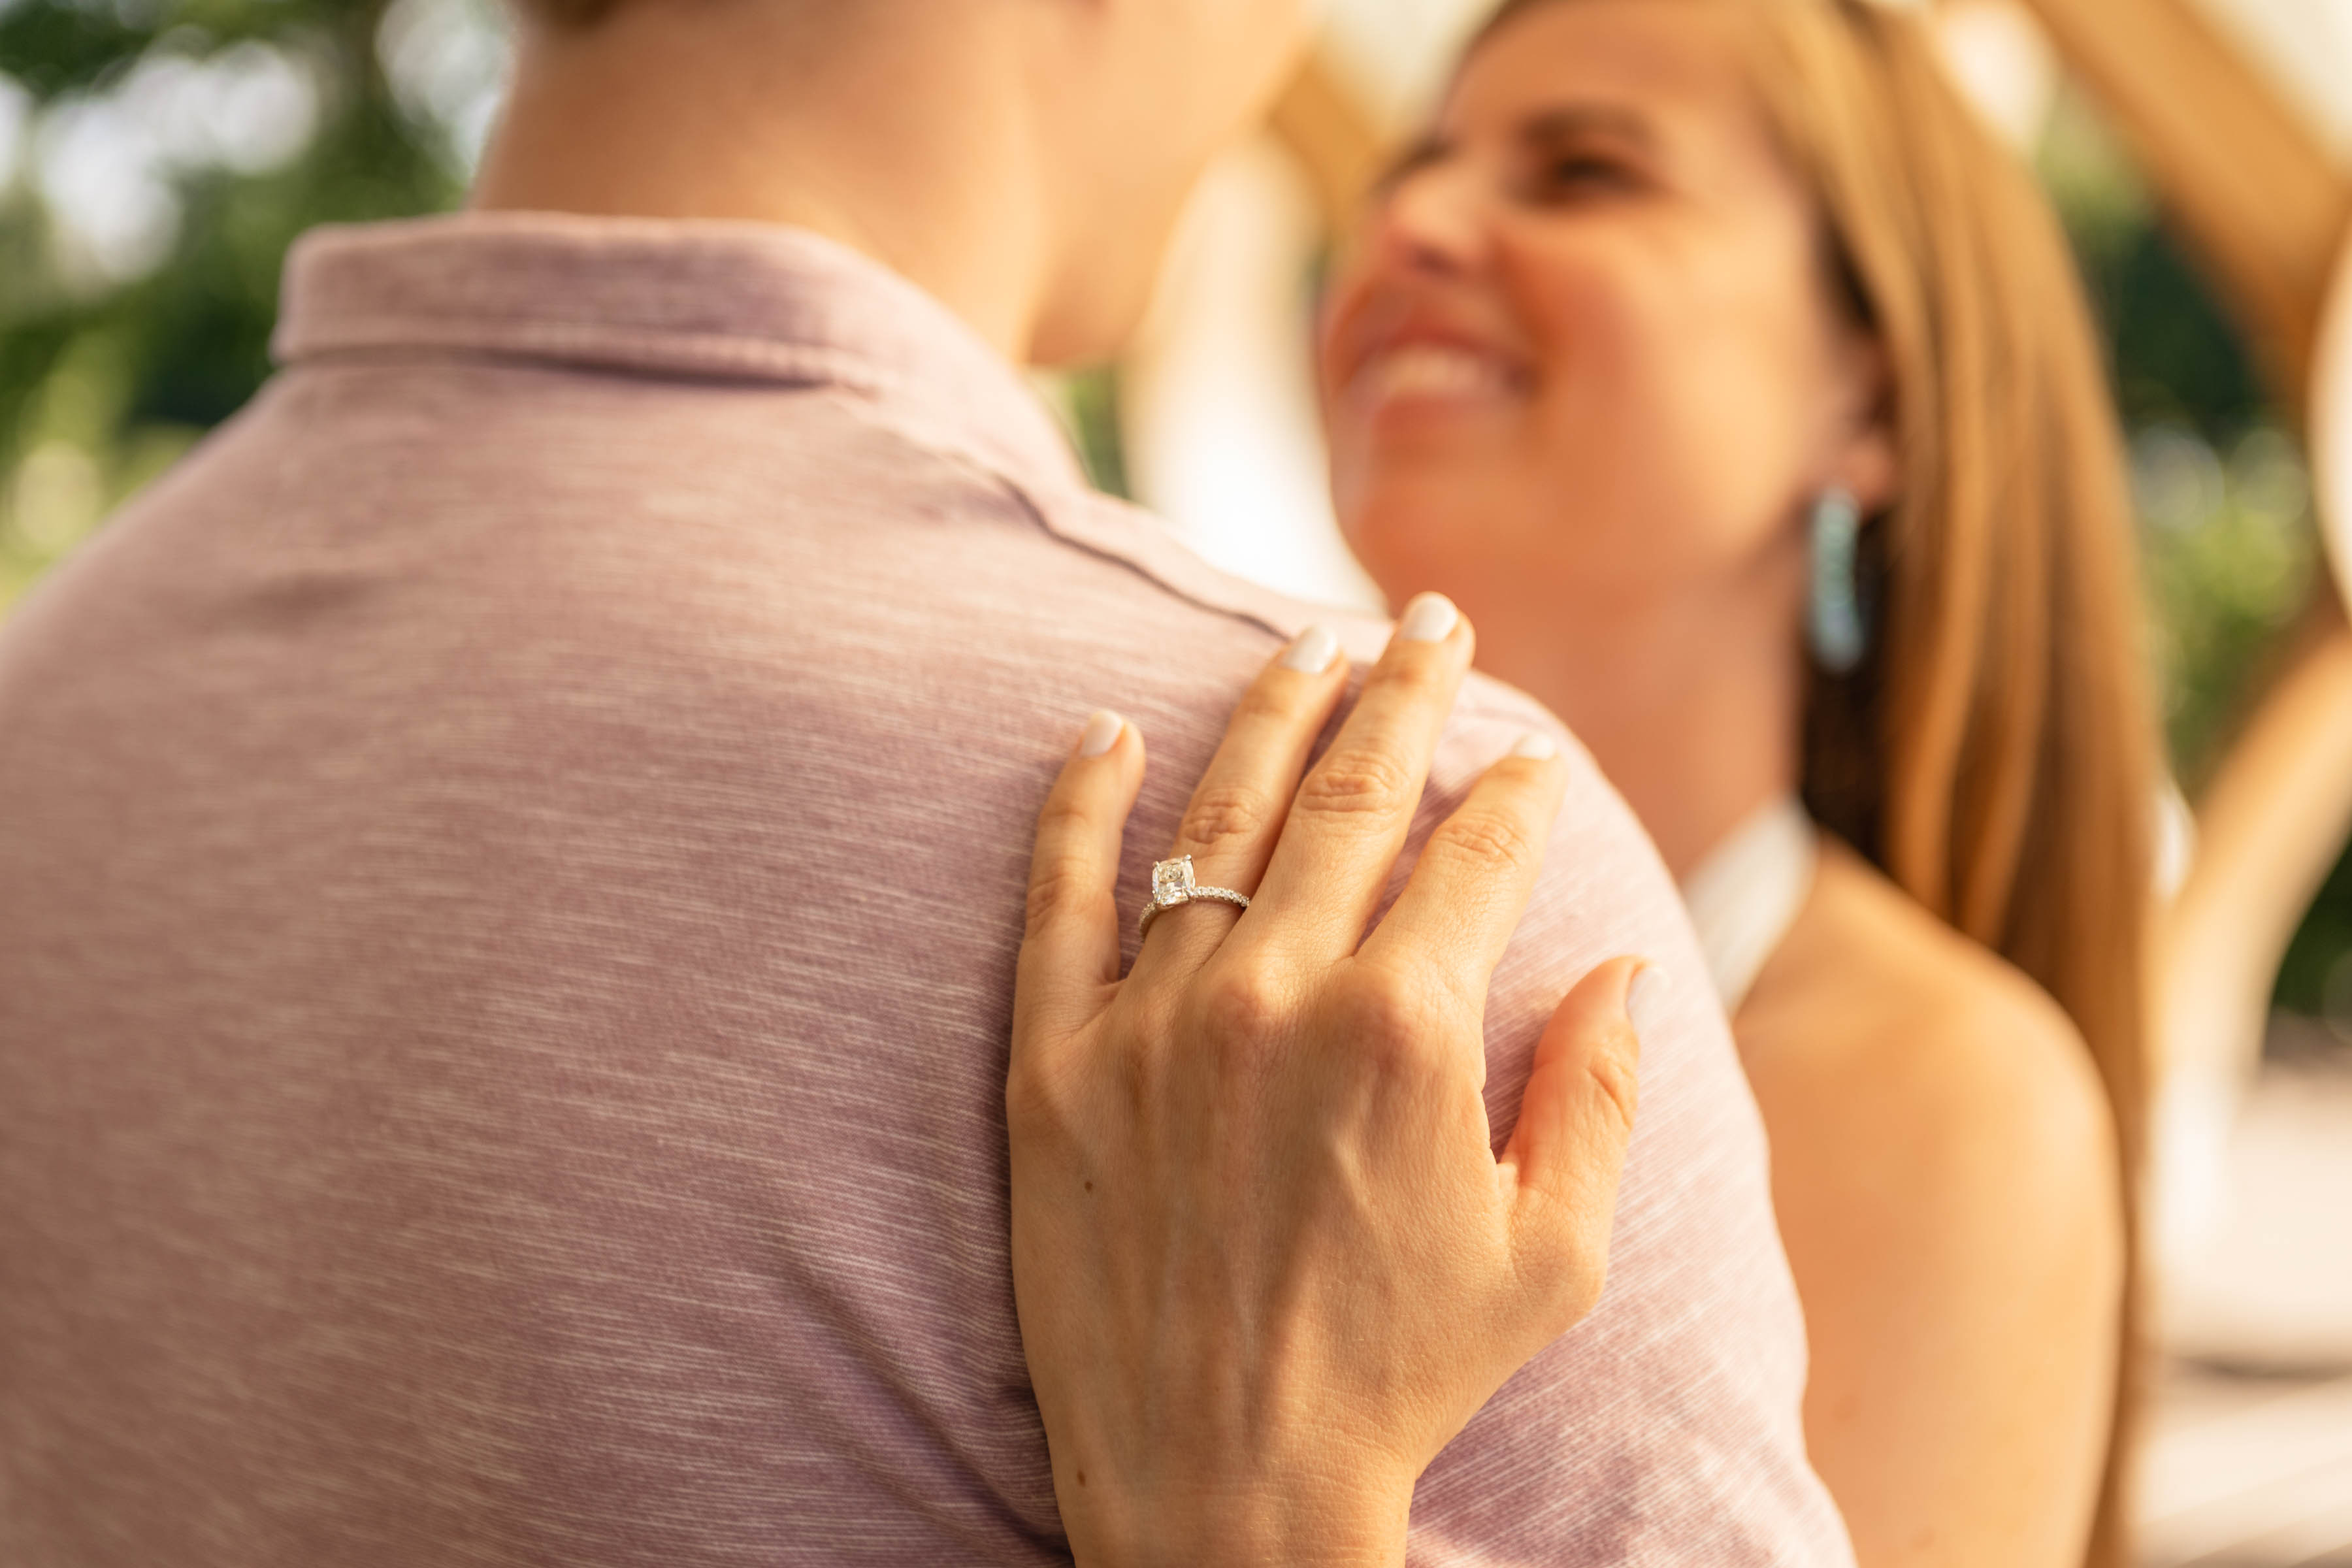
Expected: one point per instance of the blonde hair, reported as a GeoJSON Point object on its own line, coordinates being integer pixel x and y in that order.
{"type": "Point", "coordinates": [1996, 754]}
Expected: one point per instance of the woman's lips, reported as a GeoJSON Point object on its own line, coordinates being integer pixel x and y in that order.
{"type": "Point", "coordinates": [1434, 375]}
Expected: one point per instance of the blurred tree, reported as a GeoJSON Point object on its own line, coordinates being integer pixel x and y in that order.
{"type": "Point", "coordinates": [156, 158]}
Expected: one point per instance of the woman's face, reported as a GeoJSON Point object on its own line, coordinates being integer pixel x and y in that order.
{"type": "Point", "coordinates": [1588, 348]}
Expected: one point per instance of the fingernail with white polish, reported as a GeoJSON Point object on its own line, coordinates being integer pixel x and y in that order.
{"type": "Point", "coordinates": [1647, 1000]}
{"type": "Point", "coordinates": [1102, 734]}
{"type": "Point", "coordinates": [1310, 651]}
{"type": "Point", "coordinates": [1536, 747]}
{"type": "Point", "coordinates": [1429, 618]}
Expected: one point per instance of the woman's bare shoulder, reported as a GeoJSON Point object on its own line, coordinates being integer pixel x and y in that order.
{"type": "Point", "coordinates": [1914, 1058]}
{"type": "Point", "coordinates": [1944, 1174]}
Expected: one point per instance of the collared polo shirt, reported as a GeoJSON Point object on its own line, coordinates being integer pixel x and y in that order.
{"type": "Point", "coordinates": [511, 863]}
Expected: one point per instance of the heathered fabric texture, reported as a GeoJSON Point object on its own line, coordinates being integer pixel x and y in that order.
{"type": "Point", "coordinates": [511, 865]}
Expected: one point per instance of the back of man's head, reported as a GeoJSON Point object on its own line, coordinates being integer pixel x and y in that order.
{"type": "Point", "coordinates": [566, 13]}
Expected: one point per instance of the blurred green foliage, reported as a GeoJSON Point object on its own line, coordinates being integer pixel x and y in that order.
{"type": "Point", "coordinates": [111, 366]}
{"type": "Point", "coordinates": [2223, 505]}
{"type": "Point", "coordinates": [2230, 546]}
{"type": "Point", "coordinates": [141, 243]}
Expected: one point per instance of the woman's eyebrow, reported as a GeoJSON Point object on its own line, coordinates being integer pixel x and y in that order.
{"type": "Point", "coordinates": [1545, 128]}
{"type": "Point", "coordinates": [1571, 121]}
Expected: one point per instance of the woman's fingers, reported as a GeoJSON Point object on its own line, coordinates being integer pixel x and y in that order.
{"type": "Point", "coordinates": [1069, 948]}
{"type": "Point", "coordinates": [1350, 814]}
{"type": "Point", "coordinates": [1236, 811]}
{"type": "Point", "coordinates": [1448, 928]}
{"type": "Point", "coordinates": [1575, 1122]}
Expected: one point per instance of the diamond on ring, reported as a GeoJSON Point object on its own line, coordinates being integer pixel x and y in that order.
{"type": "Point", "coordinates": [1173, 884]}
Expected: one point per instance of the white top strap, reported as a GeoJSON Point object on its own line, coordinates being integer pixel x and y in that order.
{"type": "Point", "coordinates": [1745, 895]}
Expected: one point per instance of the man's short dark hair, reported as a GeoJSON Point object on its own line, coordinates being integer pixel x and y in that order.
{"type": "Point", "coordinates": [569, 13]}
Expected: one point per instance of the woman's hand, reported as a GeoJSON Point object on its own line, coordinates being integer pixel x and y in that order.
{"type": "Point", "coordinates": [1266, 1262]}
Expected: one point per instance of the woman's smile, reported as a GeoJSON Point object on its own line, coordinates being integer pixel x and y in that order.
{"type": "Point", "coordinates": [1418, 375]}
{"type": "Point", "coordinates": [1410, 356]}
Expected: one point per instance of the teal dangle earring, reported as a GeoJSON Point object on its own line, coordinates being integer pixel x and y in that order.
{"type": "Point", "coordinates": [1833, 624]}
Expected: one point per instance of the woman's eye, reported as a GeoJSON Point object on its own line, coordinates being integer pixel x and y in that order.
{"type": "Point", "coordinates": [1582, 171]}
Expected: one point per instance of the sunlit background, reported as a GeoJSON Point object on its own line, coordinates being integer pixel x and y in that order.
{"type": "Point", "coordinates": [156, 157]}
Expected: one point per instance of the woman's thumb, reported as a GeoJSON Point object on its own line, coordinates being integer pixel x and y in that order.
{"type": "Point", "coordinates": [1574, 1123]}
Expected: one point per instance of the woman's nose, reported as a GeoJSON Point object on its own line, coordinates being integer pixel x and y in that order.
{"type": "Point", "coordinates": [1429, 221]}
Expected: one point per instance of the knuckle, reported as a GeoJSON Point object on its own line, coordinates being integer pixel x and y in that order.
{"type": "Point", "coordinates": [1487, 841]}
{"type": "Point", "coordinates": [1063, 815]}
{"type": "Point", "coordinates": [1063, 891]}
{"type": "Point", "coordinates": [1577, 1291]}
{"type": "Point", "coordinates": [1568, 1269]}
{"type": "Point", "coordinates": [1223, 815]}
{"type": "Point", "coordinates": [1265, 701]}
{"type": "Point", "coordinates": [1039, 1107]}
{"type": "Point", "coordinates": [1414, 672]}
{"type": "Point", "coordinates": [1393, 1020]}
{"type": "Point", "coordinates": [1359, 782]}
{"type": "Point", "coordinates": [1616, 1076]}
{"type": "Point", "coordinates": [1246, 1005]}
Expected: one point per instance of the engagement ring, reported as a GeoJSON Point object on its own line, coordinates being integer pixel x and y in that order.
{"type": "Point", "coordinates": [1173, 884]}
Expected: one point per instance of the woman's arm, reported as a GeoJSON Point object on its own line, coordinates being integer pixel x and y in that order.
{"type": "Point", "coordinates": [1266, 1262]}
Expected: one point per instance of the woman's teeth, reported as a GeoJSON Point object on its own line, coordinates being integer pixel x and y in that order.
{"type": "Point", "coordinates": [1425, 370]}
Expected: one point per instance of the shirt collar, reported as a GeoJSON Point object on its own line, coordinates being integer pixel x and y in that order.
{"type": "Point", "coordinates": [703, 298]}
{"type": "Point", "coordinates": [733, 301]}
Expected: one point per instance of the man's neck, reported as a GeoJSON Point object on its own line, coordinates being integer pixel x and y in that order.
{"type": "Point", "coordinates": [917, 157]}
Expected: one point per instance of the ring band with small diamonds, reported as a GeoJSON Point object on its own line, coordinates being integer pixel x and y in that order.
{"type": "Point", "coordinates": [1173, 884]}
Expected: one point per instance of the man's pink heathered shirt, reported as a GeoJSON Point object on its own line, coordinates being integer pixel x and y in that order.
{"type": "Point", "coordinates": [509, 883]}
